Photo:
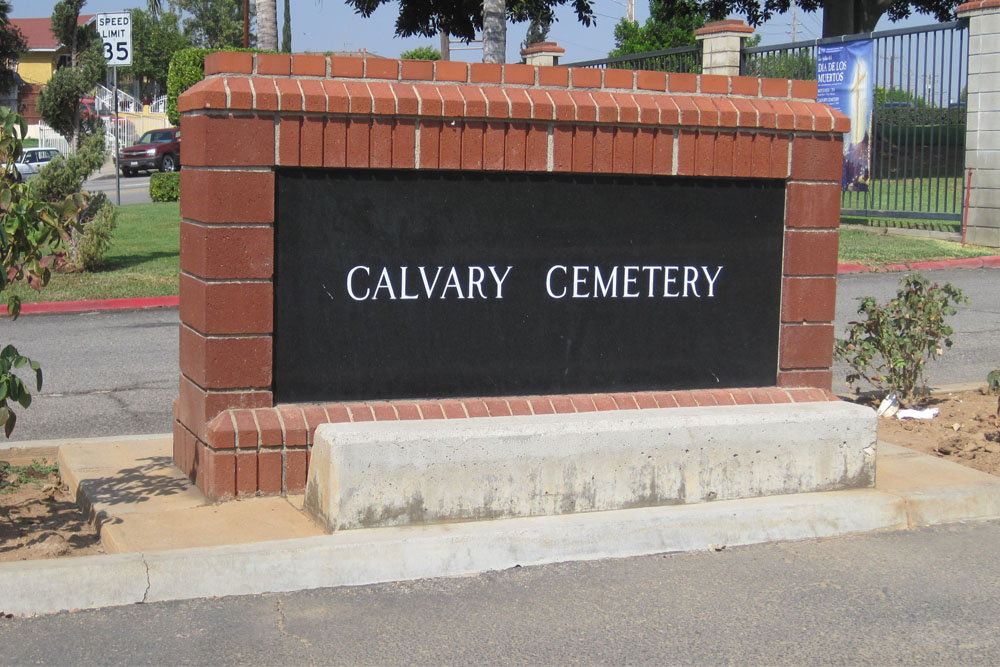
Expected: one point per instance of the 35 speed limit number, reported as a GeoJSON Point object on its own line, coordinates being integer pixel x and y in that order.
{"type": "Point", "coordinates": [115, 30]}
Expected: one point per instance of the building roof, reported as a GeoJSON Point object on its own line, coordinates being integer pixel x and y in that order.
{"type": "Point", "coordinates": [38, 32]}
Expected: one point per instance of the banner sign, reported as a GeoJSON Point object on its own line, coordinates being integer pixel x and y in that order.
{"type": "Point", "coordinates": [845, 78]}
{"type": "Point", "coordinates": [430, 284]}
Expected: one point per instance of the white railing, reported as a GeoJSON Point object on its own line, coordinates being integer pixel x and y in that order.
{"type": "Point", "coordinates": [49, 138]}
{"type": "Point", "coordinates": [105, 101]}
{"type": "Point", "coordinates": [159, 105]}
{"type": "Point", "coordinates": [130, 128]}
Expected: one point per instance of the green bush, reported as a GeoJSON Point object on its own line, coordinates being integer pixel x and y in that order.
{"type": "Point", "coordinates": [187, 68]}
{"type": "Point", "coordinates": [890, 347]}
{"type": "Point", "coordinates": [165, 186]}
{"type": "Point", "coordinates": [63, 177]}
{"type": "Point", "coordinates": [87, 246]}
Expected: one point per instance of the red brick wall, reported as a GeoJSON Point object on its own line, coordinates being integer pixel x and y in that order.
{"type": "Point", "coordinates": [253, 113]}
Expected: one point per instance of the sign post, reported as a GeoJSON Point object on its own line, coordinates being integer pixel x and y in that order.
{"type": "Point", "coordinates": [115, 30]}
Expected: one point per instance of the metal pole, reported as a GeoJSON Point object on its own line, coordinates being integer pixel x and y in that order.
{"type": "Point", "coordinates": [118, 170]}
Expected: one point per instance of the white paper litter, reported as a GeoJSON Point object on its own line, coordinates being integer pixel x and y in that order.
{"type": "Point", "coordinates": [926, 413]}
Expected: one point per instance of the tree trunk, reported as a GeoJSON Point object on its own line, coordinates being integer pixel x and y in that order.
{"type": "Point", "coordinates": [494, 31]}
{"type": "Point", "coordinates": [850, 17]}
{"type": "Point", "coordinates": [267, 25]}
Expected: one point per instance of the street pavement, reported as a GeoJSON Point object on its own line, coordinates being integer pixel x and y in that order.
{"type": "Point", "coordinates": [116, 372]}
{"type": "Point", "coordinates": [134, 190]}
{"type": "Point", "coordinates": [920, 597]}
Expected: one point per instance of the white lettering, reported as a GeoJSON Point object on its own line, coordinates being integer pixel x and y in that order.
{"type": "Point", "coordinates": [402, 286]}
{"type": "Point", "coordinates": [452, 282]}
{"type": "Point", "coordinates": [384, 283]}
{"type": "Point", "coordinates": [476, 283]}
{"type": "Point", "coordinates": [711, 279]}
{"type": "Point", "coordinates": [668, 280]}
{"type": "Point", "coordinates": [630, 279]}
{"type": "Point", "coordinates": [651, 272]}
{"type": "Point", "coordinates": [603, 288]}
{"type": "Point", "coordinates": [579, 280]}
{"type": "Point", "coordinates": [350, 284]}
{"type": "Point", "coordinates": [548, 281]}
{"type": "Point", "coordinates": [429, 287]}
{"type": "Point", "coordinates": [691, 278]}
{"type": "Point", "coordinates": [499, 279]}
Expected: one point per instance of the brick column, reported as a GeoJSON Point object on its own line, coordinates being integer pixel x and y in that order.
{"type": "Point", "coordinates": [542, 53]}
{"type": "Point", "coordinates": [982, 134]}
{"type": "Point", "coordinates": [722, 46]}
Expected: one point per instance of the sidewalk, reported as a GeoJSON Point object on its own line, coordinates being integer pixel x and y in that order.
{"type": "Point", "coordinates": [165, 542]}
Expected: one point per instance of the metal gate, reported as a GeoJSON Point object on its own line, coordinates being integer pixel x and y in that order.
{"type": "Point", "coordinates": [918, 119]}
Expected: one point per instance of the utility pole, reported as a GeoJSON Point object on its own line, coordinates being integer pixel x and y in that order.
{"type": "Point", "coordinates": [445, 46]}
{"type": "Point", "coordinates": [630, 10]}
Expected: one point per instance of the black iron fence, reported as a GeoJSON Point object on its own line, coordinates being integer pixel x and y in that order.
{"type": "Point", "coordinates": [680, 59]}
{"type": "Point", "coordinates": [918, 118]}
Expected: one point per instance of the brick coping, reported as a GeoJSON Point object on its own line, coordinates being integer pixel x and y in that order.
{"type": "Point", "coordinates": [294, 425]}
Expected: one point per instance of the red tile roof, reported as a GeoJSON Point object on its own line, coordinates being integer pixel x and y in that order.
{"type": "Point", "coordinates": [38, 32]}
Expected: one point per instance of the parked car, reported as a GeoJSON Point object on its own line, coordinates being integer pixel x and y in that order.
{"type": "Point", "coordinates": [156, 150]}
{"type": "Point", "coordinates": [33, 159]}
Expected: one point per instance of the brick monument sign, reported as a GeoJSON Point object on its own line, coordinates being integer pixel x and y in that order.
{"type": "Point", "coordinates": [374, 239]}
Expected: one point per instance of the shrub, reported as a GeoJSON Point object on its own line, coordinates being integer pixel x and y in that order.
{"type": "Point", "coordinates": [891, 346]}
{"type": "Point", "coordinates": [187, 68]}
{"type": "Point", "coordinates": [64, 176]}
{"type": "Point", "coordinates": [88, 245]}
{"type": "Point", "coordinates": [165, 186]}
{"type": "Point", "coordinates": [421, 53]}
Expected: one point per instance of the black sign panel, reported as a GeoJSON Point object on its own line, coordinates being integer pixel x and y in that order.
{"type": "Point", "coordinates": [410, 284]}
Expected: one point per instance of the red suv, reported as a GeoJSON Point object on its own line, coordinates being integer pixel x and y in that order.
{"type": "Point", "coordinates": [155, 150]}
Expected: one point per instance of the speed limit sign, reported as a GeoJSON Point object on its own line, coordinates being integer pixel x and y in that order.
{"type": "Point", "coordinates": [116, 34]}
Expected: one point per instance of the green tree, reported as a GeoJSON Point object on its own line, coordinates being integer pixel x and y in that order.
{"type": "Point", "coordinates": [59, 101]}
{"type": "Point", "coordinates": [671, 23]}
{"type": "Point", "coordinates": [155, 38]}
{"type": "Point", "coordinates": [31, 230]}
{"type": "Point", "coordinates": [840, 17]}
{"type": "Point", "coordinates": [538, 31]}
{"type": "Point", "coordinates": [462, 19]}
{"type": "Point", "coordinates": [286, 29]}
{"type": "Point", "coordinates": [214, 24]}
{"type": "Point", "coordinates": [12, 46]}
{"type": "Point", "coordinates": [421, 53]}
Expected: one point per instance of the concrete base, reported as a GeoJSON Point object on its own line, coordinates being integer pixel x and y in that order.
{"type": "Point", "coordinates": [366, 475]}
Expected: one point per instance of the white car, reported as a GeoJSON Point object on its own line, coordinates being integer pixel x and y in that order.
{"type": "Point", "coordinates": [33, 159]}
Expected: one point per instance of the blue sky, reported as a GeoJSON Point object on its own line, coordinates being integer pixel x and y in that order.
{"type": "Point", "coordinates": [330, 25]}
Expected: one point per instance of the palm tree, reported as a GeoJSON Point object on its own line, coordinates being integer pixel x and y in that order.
{"type": "Point", "coordinates": [267, 25]}
{"type": "Point", "coordinates": [494, 31]}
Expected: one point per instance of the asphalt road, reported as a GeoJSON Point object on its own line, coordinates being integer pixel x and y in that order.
{"type": "Point", "coordinates": [116, 372]}
{"type": "Point", "coordinates": [134, 190]}
{"type": "Point", "coordinates": [921, 597]}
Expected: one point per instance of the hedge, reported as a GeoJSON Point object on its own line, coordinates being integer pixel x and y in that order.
{"type": "Point", "coordinates": [165, 186]}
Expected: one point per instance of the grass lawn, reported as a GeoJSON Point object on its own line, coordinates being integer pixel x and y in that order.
{"type": "Point", "coordinates": [143, 260]}
{"type": "Point", "coordinates": [859, 247]}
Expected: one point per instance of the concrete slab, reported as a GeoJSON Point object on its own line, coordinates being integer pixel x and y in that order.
{"type": "Point", "coordinates": [376, 474]}
{"type": "Point", "coordinates": [142, 501]}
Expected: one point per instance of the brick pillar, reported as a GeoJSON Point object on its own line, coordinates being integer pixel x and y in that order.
{"type": "Point", "coordinates": [722, 44]}
{"type": "Point", "coordinates": [982, 134]}
{"type": "Point", "coordinates": [542, 53]}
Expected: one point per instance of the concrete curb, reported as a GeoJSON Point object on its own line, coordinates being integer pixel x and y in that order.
{"type": "Point", "coordinates": [367, 556]}
{"type": "Point", "coordinates": [989, 262]}
{"type": "Point", "coordinates": [96, 304]}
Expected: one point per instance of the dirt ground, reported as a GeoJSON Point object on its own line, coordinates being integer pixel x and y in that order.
{"type": "Point", "coordinates": [965, 431]}
{"type": "Point", "coordinates": [39, 519]}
